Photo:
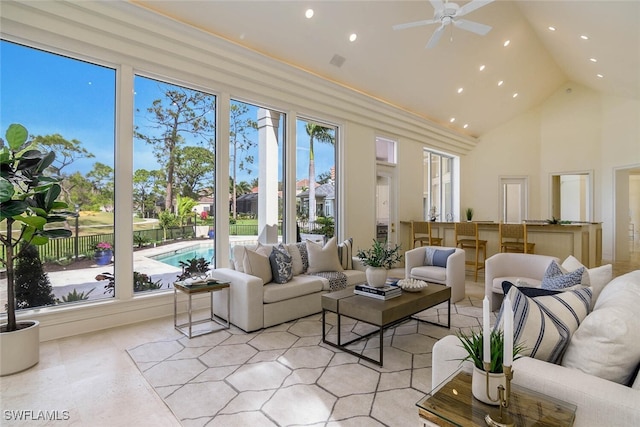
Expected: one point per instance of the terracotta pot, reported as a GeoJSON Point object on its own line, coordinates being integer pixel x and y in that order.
{"type": "Point", "coordinates": [479, 386]}
{"type": "Point", "coordinates": [376, 276]}
{"type": "Point", "coordinates": [20, 350]}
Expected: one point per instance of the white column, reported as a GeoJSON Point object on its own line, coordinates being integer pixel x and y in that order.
{"type": "Point", "coordinates": [268, 122]}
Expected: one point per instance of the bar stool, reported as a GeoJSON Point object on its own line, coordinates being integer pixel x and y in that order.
{"type": "Point", "coordinates": [513, 238]}
{"type": "Point", "coordinates": [467, 238]}
{"type": "Point", "coordinates": [421, 233]}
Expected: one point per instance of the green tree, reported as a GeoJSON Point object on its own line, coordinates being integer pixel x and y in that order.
{"type": "Point", "coordinates": [181, 112]}
{"type": "Point", "coordinates": [147, 189]}
{"type": "Point", "coordinates": [324, 177]}
{"type": "Point", "coordinates": [240, 128]}
{"type": "Point", "coordinates": [195, 169]}
{"type": "Point", "coordinates": [167, 220]}
{"type": "Point", "coordinates": [81, 192]}
{"type": "Point", "coordinates": [320, 134]}
{"type": "Point", "coordinates": [67, 152]}
{"type": "Point", "coordinates": [102, 179]}
{"type": "Point", "coordinates": [185, 207]}
{"type": "Point", "coordinates": [33, 288]}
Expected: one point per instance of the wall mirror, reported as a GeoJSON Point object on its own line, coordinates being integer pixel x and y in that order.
{"type": "Point", "coordinates": [572, 196]}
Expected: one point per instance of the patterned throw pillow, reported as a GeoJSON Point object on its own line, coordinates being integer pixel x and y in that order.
{"type": "Point", "coordinates": [544, 324]}
{"type": "Point", "coordinates": [304, 256]}
{"type": "Point", "coordinates": [437, 257]}
{"type": "Point", "coordinates": [281, 264]}
{"type": "Point", "coordinates": [345, 253]}
{"type": "Point", "coordinates": [556, 278]}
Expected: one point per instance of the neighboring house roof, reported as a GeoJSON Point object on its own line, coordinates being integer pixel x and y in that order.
{"type": "Point", "coordinates": [324, 191]}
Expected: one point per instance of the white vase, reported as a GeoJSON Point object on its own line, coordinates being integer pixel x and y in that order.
{"type": "Point", "coordinates": [376, 276]}
{"type": "Point", "coordinates": [479, 386]}
{"type": "Point", "coordinates": [20, 349]}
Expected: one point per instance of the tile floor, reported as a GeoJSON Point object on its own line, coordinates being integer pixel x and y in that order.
{"type": "Point", "coordinates": [93, 378]}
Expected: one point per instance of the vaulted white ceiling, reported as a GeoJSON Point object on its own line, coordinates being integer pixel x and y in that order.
{"type": "Point", "coordinates": [394, 66]}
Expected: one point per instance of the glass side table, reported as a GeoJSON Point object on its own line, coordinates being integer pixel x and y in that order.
{"type": "Point", "coordinates": [452, 404]}
{"type": "Point", "coordinates": [191, 289]}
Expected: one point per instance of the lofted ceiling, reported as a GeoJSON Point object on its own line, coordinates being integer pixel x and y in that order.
{"type": "Point", "coordinates": [395, 66]}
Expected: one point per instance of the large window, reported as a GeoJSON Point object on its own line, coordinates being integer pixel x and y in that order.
{"type": "Point", "coordinates": [68, 106]}
{"type": "Point", "coordinates": [438, 187]}
{"type": "Point", "coordinates": [316, 179]}
{"type": "Point", "coordinates": [256, 147]}
{"type": "Point", "coordinates": [173, 183]}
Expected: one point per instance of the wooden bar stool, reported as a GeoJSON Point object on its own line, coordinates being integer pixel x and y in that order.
{"type": "Point", "coordinates": [467, 238]}
{"type": "Point", "coordinates": [513, 238]}
{"type": "Point", "coordinates": [421, 234]}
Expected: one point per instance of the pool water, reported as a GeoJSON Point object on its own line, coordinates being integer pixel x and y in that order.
{"type": "Point", "coordinates": [173, 258]}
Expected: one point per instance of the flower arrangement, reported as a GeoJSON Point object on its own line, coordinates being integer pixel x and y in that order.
{"type": "Point", "coordinates": [473, 345]}
{"type": "Point", "coordinates": [380, 255]}
{"type": "Point", "coordinates": [103, 246]}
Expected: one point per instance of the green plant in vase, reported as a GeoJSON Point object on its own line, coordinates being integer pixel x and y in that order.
{"type": "Point", "coordinates": [473, 344]}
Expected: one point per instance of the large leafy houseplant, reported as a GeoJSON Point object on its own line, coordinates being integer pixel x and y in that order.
{"type": "Point", "coordinates": [28, 203]}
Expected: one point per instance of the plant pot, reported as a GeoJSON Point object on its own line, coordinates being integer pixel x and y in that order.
{"type": "Point", "coordinates": [103, 257]}
{"type": "Point", "coordinates": [376, 276]}
{"type": "Point", "coordinates": [20, 350]}
{"type": "Point", "coordinates": [479, 386]}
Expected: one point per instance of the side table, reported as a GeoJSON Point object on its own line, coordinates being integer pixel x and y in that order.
{"type": "Point", "coordinates": [191, 289]}
{"type": "Point", "coordinates": [452, 404]}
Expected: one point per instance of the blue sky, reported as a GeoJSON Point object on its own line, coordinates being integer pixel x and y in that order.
{"type": "Point", "coordinates": [52, 94]}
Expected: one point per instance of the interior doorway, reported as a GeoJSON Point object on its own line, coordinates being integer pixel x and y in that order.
{"type": "Point", "coordinates": [627, 215]}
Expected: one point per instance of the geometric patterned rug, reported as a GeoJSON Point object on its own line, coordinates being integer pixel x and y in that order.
{"type": "Point", "coordinates": [285, 376]}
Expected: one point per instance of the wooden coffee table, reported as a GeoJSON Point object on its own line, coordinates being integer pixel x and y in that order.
{"type": "Point", "coordinates": [381, 313]}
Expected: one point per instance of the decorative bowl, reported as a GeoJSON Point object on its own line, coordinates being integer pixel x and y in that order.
{"type": "Point", "coordinates": [412, 285]}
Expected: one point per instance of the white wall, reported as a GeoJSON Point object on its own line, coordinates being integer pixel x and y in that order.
{"type": "Point", "coordinates": [576, 130]}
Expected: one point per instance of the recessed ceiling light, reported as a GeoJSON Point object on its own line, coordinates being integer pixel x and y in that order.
{"type": "Point", "coordinates": [460, 90]}
{"type": "Point", "coordinates": [599, 76]}
{"type": "Point", "coordinates": [501, 82]}
{"type": "Point", "coordinates": [309, 13]}
{"type": "Point", "coordinates": [482, 67]}
{"type": "Point", "coordinates": [583, 37]}
{"type": "Point", "coordinates": [505, 44]}
{"type": "Point", "coordinates": [593, 60]}
{"type": "Point", "coordinates": [452, 119]}
{"type": "Point", "coordinates": [552, 28]}
{"type": "Point", "coordinates": [466, 125]}
{"type": "Point", "coordinates": [515, 95]}
{"type": "Point", "coordinates": [353, 37]}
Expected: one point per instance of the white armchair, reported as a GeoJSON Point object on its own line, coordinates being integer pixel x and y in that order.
{"type": "Point", "coordinates": [453, 275]}
{"type": "Point", "coordinates": [529, 268]}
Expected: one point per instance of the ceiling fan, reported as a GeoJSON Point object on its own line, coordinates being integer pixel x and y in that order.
{"type": "Point", "coordinates": [447, 13]}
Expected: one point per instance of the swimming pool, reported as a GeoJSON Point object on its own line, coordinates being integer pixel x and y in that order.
{"type": "Point", "coordinates": [173, 258]}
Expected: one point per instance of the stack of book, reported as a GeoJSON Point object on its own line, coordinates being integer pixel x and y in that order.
{"type": "Point", "coordinates": [386, 292]}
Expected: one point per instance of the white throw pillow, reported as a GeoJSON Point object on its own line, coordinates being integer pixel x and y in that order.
{"type": "Point", "coordinates": [596, 277]}
{"type": "Point", "coordinates": [257, 264]}
{"type": "Point", "coordinates": [296, 258]}
{"type": "Point", "coordinates": [323, 258]}
{"type": "Point", "coordinates": [607, 343]}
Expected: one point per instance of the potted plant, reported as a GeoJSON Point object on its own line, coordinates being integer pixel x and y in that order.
{"type": "Point", "coordinates": [379, 259]}
{"type": "Point", "coordinates": [469, 214]}
{"type": "Point", "coordinates": [103, 252]}
{"type": "Point", "coordinates": [473, 344]}
{"type": "Point", "coordinates": [28, 203]}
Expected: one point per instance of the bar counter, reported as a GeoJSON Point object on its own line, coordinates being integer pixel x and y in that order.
{"type": "Point", "coordinates": [582, 240]}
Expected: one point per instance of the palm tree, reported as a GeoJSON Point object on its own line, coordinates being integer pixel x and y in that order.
{"type": "Point", "coordinates": [321, 134]}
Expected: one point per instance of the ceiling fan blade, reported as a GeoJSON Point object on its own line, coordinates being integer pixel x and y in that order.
{"type": "Point", "coordinates": [474, 27]}
{"type": "Point", "coordinates": [435, 37]}
{"type": "Point", "coordinates": [414, 24]}
{"type": "Point", "coordinates": [471, 6]}
{"type": "Point", "coordinates": [437, 4]}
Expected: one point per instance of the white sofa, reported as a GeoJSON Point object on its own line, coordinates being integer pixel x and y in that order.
{"type": "Point", "coordinates": [256, 305]}
{"type": "Point", "coordinates": [529, 268]}
{"type": "Point", "coordinates": [453, 275]}
{"type": "Point", "coordinates": [604, 349]}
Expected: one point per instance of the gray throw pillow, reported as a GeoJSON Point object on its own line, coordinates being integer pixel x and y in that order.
{"type": "Point", "coordinates": [281, 264]}
{"type": "Point", "coordinates": [555, 278]}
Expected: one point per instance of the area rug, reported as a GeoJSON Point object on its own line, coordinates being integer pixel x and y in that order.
{"type": "Point", "coordinates": [286, 376]}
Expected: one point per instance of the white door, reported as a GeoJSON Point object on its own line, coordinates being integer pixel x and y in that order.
{"type": "Point", "coordinates": [386, 211]}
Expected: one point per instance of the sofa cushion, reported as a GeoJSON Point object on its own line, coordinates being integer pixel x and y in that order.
{"type": "Point", "coordinates": [298, 286]}
{"type": "Point", "coordinates": [596, 277]}
{"type": "Point", "coordinates": [296, 258]}
{"type": "Point", "coordinates": [555, 278]}
{"type": "Point", "coordinates": [519, 281]}
{"type": "Point", "coordinates": [544, 324]}
{"type": "Point", "coordinates": [345, 253]}
{"type": "Point", "coordinates": [257, 264]}
{"type": "Point", "coordinates": [281, 265]}
{"type": "Point", "coordinates": [355, 277]}
{"type": "Point", "coordinates": [323, 258]}
{"type": "Point", "coordinates": [607, 344]}
{"type": "Point", "coordinates": [429, 273]}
